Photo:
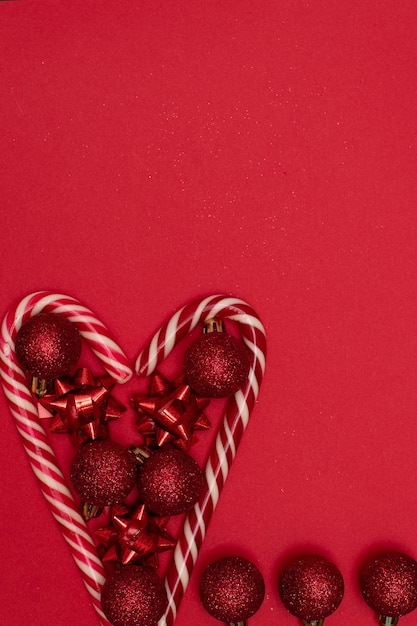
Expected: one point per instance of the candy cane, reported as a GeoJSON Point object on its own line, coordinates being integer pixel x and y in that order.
{"type": "Point", "coordinates": [235, 420]}
{"type": "Point", "coordinates": [35, 440]}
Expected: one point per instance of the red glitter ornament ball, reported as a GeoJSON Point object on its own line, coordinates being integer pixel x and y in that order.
{"type": "Point", "coordinates": [170, 481]}
{"type": "Point", "coordinates": [134, 596]}
{"type": "Point", "coordinates": [311, 587]}
{"type": "Point", "coordinates": [103, 472]}
{"type": "Point", "coordinates": [216, 365]}
{"type": "Point", "coordinates": [48, 345]}
{"type": "Point", "coordinates": [232, 589]}
{"type": "Point", "coordinates": [389, 584]}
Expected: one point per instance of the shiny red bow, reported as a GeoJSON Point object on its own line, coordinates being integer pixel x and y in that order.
{"type": "Point", "coordinates": [169, 413]}
{"type": "Point", "coordinates": [134, 536]}
{"type": "Point", "coordinates": [82, 406]}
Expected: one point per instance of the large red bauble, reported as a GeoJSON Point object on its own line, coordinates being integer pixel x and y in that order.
{"type": "Point", "coordinates": [311, 587]}
{"type": "Point", "coordinates": [216, 365]}
{"type": "Point", "coordinates": [232, 589]}
{"type": "Point", "coordinates": [103, 472]}
{"type": "Point", "coordinates": [134, 596]}
{"type": "Point", "coordinates": [389, 584]}
{"type": "Point", "coordinates": [170, 481]}
{"type": "Point", "coordinates": [48, 345]}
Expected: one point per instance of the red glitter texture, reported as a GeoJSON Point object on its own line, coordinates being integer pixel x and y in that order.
{"type": "Point", "coordinates": [134, 596]}
{"type": "Point", "coordinates": [311, 587]}
{"type": "Point", "coordinates": [232, 589]}
{"type": "Point", "coordinates": [170, 482]}
{"type": "Point", "coordinates": [216, 365]}
{"type": "Point", "coordinates": [389, 584]}
{"type": "Point", "coordinates": [103, 472]}
{"type": "Point", "coordinates": [48, 345]}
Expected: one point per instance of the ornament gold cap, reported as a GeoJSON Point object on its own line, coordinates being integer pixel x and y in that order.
{"type": "Point", "coordinates": [215, 325]}
{"type": "Point", "coordinates": [141, 453]}
{"type": "Point", "coordinates": [241, 623]}
{"type": "Point", "coordinates": [312, 622]}
{"type": "Point", "coordinates": [90, 511]}
{"type": "Point", "coordinates": [387, 620]}
{"type": "Point", "coordinates": [38, 386]}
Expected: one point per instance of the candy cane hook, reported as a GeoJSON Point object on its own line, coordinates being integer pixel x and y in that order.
{"type": "Point", "coordinates": [35, 441]}
{"type": "Point", "coordinates": [235, 420]}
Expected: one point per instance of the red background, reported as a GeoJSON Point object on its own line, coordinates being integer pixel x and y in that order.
{"type": "Point", "coordinates": [156, 152]}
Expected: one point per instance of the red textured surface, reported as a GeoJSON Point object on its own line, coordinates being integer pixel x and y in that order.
{"type": "Point", "coordinates": [48, 346]}
{"type": "Point", "coordinates": [134, 596]}
{"type": "Point", "coordinates": [153, 153]}
{"type": "Point", "coordinates": [103, 473]}
{"type": "Point", "coordinates": [216, 365]}
{"type": "Point", "coordinates": [231, 589]}
{"type": "Point", "coordinates": [170, 482]}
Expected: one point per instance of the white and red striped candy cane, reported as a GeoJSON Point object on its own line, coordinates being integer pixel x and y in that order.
{"type": "Point", "coordinates": [35, 440]}
{"type": "Point", "coordinates": [234, 422]}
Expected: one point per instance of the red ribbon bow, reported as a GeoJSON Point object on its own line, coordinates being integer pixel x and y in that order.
{"type": "Point", "coordinates": [170, 412]}
{"type": "Point", "coordinates": [134, 536]}
{"type": "Point", "coordinates": [82, 406]}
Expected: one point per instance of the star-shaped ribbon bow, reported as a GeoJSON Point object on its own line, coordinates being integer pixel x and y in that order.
{"type": "Point", "coordinates": [82, 406]}
{"type": "Point", "coordinates": [169, 413]}
{"type": "Point", "coordinates": [134, 536]}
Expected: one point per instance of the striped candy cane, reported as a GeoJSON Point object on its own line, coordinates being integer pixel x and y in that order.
{"type": "Point", "coordinates": [35, 440]}
{"type": "Point", "coordinates": [235, 420]}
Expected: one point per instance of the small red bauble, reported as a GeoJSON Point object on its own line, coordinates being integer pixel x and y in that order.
{"type": "Point", "coordinates": [170, 481]}
{"type": "Point", "coordinates": [311, 588]}
{"type": "Point", "coordinates": [216, 365]}
{"type": "Point", "coordinates": [232, 589]}
{"type": "Point", "coordinates": [134, 596]}
{"type": "Point", "coordinates": [48, 345]}
{"type": "Point", "coordinates": [103, 472]}
{"type": "Point", "coordinates": [389, 585]}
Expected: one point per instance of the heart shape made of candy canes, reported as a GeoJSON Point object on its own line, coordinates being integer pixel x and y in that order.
{"type": "Point", "coordinates": [42, 457]}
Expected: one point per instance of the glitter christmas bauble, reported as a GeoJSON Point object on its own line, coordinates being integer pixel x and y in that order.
{"type": "Point", "coordinates": [134, 596]}
{"type": "Point", "coordinates": [311, 587]}
{"type": "Point", "coordinates": [170, 481]}
{"type": "Point", "coordinates": [389, 584]}
{"type": "Point", "coordinates": [232, 589]}
{"type": "Point", "coordinates": [103, 472]}
{"type": "Point", "coordinates": [216, 365]}
{"type": "Point", "coordinates": [48, 345]}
